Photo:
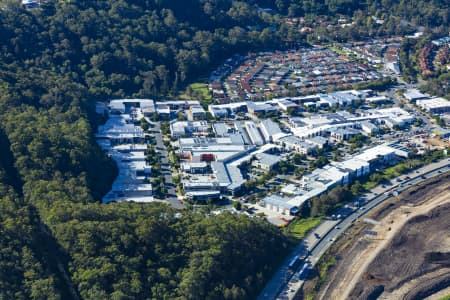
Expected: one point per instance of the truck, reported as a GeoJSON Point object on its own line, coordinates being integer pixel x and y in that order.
{"type": "Point", "coordinates": [293, 264]}
{"type": "Point", "coordinates": [296, 261]}
{"type": "Point", "coordinates": [304, 271]}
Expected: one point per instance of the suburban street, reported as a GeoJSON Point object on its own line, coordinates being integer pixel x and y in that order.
{"type": "Point", "coordinates": [285, 284]}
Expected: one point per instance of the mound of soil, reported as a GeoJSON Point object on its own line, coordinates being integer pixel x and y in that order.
{"type": "Point", "coordinates": [413, 263]}
{"type": "Point", "coordinates": [418, 251]}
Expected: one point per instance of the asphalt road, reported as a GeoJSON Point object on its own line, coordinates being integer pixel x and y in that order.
{"type": "Point", "coordinates": [285, 285]}
{"type": "Point", "coordinates": [171, 196]}
{"type": "Point", "coordinates": [325, 242]}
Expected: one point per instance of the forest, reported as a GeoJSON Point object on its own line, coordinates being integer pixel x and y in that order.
{"type": "Point", "coordinates": [58, 241]}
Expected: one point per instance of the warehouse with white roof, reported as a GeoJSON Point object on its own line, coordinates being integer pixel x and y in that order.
{"type": "Point", "coordinates": [434, 106]}
{"type": "Point", "coordinates": [339, 173]}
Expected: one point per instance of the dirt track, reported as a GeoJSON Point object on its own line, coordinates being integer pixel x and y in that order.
{"type": "Point", "coordinates": [409, 258]}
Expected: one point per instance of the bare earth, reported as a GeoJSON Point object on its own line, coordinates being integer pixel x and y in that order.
{"type": "Point", "coordinates": [408, 258]}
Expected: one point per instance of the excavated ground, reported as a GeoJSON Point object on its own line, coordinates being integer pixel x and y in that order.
{"type": "Point", "coordinates": [409, 258]}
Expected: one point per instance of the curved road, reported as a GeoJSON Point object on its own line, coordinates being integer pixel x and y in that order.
{"type": "Point", "coordinates": [285, 285]}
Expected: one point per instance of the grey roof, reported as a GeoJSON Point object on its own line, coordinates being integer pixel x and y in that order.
{"type": "Point", "coordinates": [117, 127]}
{"type": "Point", "coordinates": [228, 175]}
{"type": "Point", "coordinates": [203, 193]}
{"type": "Point", "coordinates": [237, 139]}
{"type": "Point", "coordinates": [197, 109]}
{"type": "Point", "coordinates": [217, 110]}
{"type": "Point", "coordinates": [192, 165]}
{"type": "Point", "coordinates": [243, 132]}
{"type": "Point", "coordinates": [221, 129]}
{"type": "Point", "coordinates": [287, 103]}
{"type": "Point", "coordinates": [344, 97]}
{"type": "Point", "coordinates": [270, 127]}
{"type": "Point", "coordinates": [259, 107]}
{"type": "Point", "coordinates": [343, 130]}
{"type": "Point", "coordinates": [297, 121]}
{"type": "Point", "coordinates": [318, 140]}
{"type": "Point", "coordinates": [141, 103]}
{"type": "Point", "coordinates": [268, 159]}
{"type": "Point", "coordinates": [369, 125]}
{"type": "Point", "coordinates": [293, 140]}
{"type": "Point", "coordinates": [221, 173]}
{"type": "Point", "coordinates": [235, 175]}
{"type": "Point", "coordinates": [414, 94]}
{"type": "Point", "coordinates": [278, 201]}
{"type": "Point", "coordinates": [253, 133]}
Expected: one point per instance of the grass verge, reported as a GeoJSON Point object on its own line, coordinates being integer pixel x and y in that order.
{"type": "Point", "coordinates": [300, 227]}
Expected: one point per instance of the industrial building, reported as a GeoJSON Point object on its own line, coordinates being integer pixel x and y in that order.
{"type": "Point", "coordinates": [279, 204]}
{"type": "Point", "coordinates": [218, 112]}
{"type": "Point", "coordinates": [378, 99]}
{"type": "Point", "coordinates": [196, 112]}
{"type": "Point", "coordinates": [293, 143]}
{"type": "Point", "coordinates": [434, 106]}
{"type": "Point", "coordinates": [260, 109]}
{"type": "Point", "coordinates": [286, 104]}
{"type": "Point", "coordinates": [120, 129]}
{"type": "Point", "coordinates": [354, 166]}
{"type": "Point", "coordinates": [270, 130]}
{"type": "Point", "coordinates": [124, 106]}
{"type": "Point", "coordinates": [343, 134]}
{"type": "Point", "coordinates": [344, 122]}
{"type": "Point", "coordinates": [369, 128]}
{"type": "Point", "coordinates": [265, 162]}
{"type": "Point", "coordinates": [124, 142]}
{"type": "Point", "coordinates": [220, 129]}
{"type": "Point", "coordinates": [188, 128]}
{"type": "Point", "coordinates": [253, 133]}
{"type": "Point", "coordinates": [318, 141]}
{"type": "Point", "coordinates": [131, 183]}
{"type": "Point", "coordinates": [338, 173]}
{"type": "Point", "coordinates": [413, 95]}
{"type": "Point", "coordinates": [194, 167]}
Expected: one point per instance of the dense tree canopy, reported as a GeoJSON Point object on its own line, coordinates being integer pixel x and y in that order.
{"type": "Point", "coordinates": [57, 241]}
{"type": "Point", "coordinates": [27, 269]}
{"type": "Point", "coordinates": [425, 13]}
{"type": "Point", "coordinates": [117, 48]}
{"type": "Point", "coordinates": [154, 252]}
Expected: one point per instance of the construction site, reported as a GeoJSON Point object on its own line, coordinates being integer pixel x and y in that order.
{"type": "Point", "coordinates": [401, 250]}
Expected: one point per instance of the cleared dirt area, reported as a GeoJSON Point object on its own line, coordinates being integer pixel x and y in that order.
{"type": "Point", "coordinates": [406, 255]}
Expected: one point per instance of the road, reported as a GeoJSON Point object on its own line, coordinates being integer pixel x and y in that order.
{"type": "Point", "coordinates": [285, 285]}
{"type": "Point", "coordinates": [429, 125]}
{"type": "Point", "coordinates": [171, 196]}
